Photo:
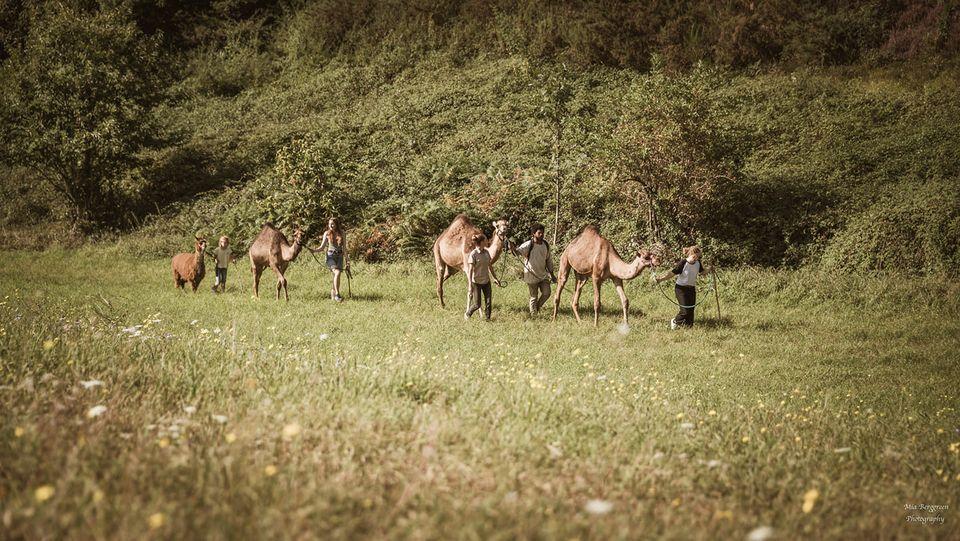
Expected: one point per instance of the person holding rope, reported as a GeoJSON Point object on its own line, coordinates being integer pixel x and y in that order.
{"type": "Point", "coordinates": [478, 277]}
{"type": "Point", "coordinates": [537, 268]}
{"type": "Point", "coordinates": [335, 242]}
{"type": "Point", "coordinates": [686, 270]}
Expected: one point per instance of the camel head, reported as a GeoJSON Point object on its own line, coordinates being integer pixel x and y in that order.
{"type": "Point", "coordinates": [297, 234]}
{"type": "Point", "coordinates": [501, 228]}
{"type": "Point", "coordinates": [649, 258]}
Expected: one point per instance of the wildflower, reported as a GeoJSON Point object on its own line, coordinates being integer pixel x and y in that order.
{"type": "Point", "coordinates": [96, 411]}
{"type": "Point", "coordinates": [323, 336]}
{"type": "Point", "coordinates": [44, 493]}
{"type": "Point", "coordinates": [163, 443]}
{"type": "Point", "coordinates": [686, 426]}
{"type": "Point", "coordinates": [222, 419]}
{"type": "Point", "coordinates": [745, 439]}
{"type": "Point", "coordinates": [230, 437]}
{"type": "Point", "coordinates": [270, 470]}
{"type": "Point", "coordinates": [555, 451]}
{"type": "Point", "coordinates": [840, 450]}
{"type": "Point", "coordinates": [18, 432]}
{"type": "Point", "coordinates": [48, 344]}
{"type": "Point", "coordinates": [90, 384]}
{"type": "Point", "coordinates": [291, 431]}
{"type": "Point", "coordinates": [190, 410]}
{"type": "Point", "coordinates": [598, 507]}
{"type": "Point", "coordinates": [98, 496]}
{"type": "Point", "coordinates": [680, 415]}
{"type": "Point", "coordinates": [157, 520]}
{"type": "Point", "coordinates": [810, 499]}
{"type": "Point", "coordinates": [712, 412]}
{"type": "Point", "coordinates": [676, 502]}
{"type": "Point", "coordinates": [760, 533]}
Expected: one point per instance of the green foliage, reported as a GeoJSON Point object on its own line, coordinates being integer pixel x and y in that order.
{"type": "Point", "coordinates": [909, 229]}
{"type": "Point", "coordinates": [77, 103]}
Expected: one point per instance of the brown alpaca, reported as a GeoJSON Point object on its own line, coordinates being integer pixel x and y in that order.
{"type": "Point", "coordinates": [189, 267]}
{"type": "Point", "coordinates": [451, 248]}
{"type": "Point", "coordinates": [592, 256]}
{"type": "Point", "coordinates": [271, 249]}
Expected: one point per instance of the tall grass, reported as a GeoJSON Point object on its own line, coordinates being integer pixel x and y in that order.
{"type": "Point", "coordinates": [231, 417]}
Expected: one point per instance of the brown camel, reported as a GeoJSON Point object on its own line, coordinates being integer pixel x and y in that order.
{"type": "Point", "coordinates": [592, 256]}
{"type": "Point", "coordinates": [271, 249]}
{"type": "Point", "coordinates": [452, 246]}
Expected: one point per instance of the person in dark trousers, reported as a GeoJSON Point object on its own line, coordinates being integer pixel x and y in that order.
{"type": "Point", "coordinates": [479, 277]}
{"type": "Point", "coordinates": [537, 268]}
{"type": "Point", "coordinates": [223, 257]}
{"type": "Point", "coordinates": [686, 271]}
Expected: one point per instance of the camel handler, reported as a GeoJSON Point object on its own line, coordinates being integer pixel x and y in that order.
{"type": "Point", "coordinates": [686, 272]}
{"type": "Point", "coordinates": [537, 268]}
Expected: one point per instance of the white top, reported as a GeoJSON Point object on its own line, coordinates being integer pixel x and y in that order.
{"type": "Point", "coordinates": [536, 263]}
{"type": "Point", "coordinates": [687, 272]}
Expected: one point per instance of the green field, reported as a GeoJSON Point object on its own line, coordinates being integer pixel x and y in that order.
{"type": "Point", "coordinates": [228, 417]}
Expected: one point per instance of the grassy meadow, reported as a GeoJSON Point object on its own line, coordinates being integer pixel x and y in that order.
{"type": "Point", "coordinates": [820, 407]}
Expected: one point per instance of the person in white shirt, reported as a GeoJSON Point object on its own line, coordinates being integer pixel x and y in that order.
{"type": "Point", "coordinates": [335, 242]}
{"type": "Point", "coordinates": [479, 275]}
{"type": "Point", "coordinates": [537, 268]}
{"type": "Point", "coordinates": [686, 270]}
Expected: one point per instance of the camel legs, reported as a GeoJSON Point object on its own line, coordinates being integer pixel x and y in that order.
{"type": "Point", "coordinates": [257, 271]}
{"type": "Point", "coordinates": [624, 301]}
{"type": "Point", "coordinates": [575, 302]}
{"type": "Point", "coordinates": [281, 283]}
{"type": "Point", "coordinates": [561, 281]}
{"type": "Point", "coordinates": [596, 300]}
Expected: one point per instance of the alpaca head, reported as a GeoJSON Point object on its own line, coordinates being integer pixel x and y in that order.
{"type": "Point", "coordinates": [201, 244]}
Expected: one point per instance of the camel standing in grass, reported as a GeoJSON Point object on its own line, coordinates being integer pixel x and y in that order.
{"type": "Point", "coordinates": [452, 246]}
{"type": "Point", "coordinates": [189, 267]}
{"type": "Point", "coordinates": [592, 256]}
{"type": "Point", "coordinates": [271, 249]}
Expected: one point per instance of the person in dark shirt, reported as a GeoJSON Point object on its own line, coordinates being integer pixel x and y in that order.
{"type": "Point", "coordinates": [686, 271]}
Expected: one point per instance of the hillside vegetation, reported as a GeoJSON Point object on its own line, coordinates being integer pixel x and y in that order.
{"type": "Point", "coordinates": [772, 134]}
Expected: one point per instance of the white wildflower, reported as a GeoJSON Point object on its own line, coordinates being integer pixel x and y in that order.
{"type": "Point", "coordinates": [222, 419]}
{"type": "Point", "coordinates": [96, 411]}
{"type": "Point", "coordinates": [598, 507]}
{"type": "Point", "coordinates": [760, 533]}
{"type": "Point", "coordinates": [90, 384]}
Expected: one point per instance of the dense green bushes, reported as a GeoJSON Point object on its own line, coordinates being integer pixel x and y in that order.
{"type": "Point", "coordinates": [397, 117]}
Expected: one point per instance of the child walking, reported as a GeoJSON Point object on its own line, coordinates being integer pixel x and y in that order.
{"type": "Point", "coordinates": [223, 257]}
{"type": "Point", "coordinates": [686, 270]}
{"type": "Point", "coordinates": [479, 277]}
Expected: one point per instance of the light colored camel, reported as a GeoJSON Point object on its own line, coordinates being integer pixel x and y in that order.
{"type": "Point", "coordinates": [592, 256]}
{"type": "Point", "coordinates": [451, 248]}
{"type": "Point", "coordinates": [271, 249]}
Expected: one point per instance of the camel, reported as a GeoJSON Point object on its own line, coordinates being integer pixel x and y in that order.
{"type": "Point", "coordinates": [452, 246]}
{"type": "Point", "coordinates": [271, 249]}
{"type": "Point", "coordinates": [592, 256]}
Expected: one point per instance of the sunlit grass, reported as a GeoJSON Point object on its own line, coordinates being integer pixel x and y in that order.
{"type": "Point", "coordinates": [819, 407]}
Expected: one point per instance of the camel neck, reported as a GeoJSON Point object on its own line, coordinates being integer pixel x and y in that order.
{"type": "Point", "coordinates": [623, 270]}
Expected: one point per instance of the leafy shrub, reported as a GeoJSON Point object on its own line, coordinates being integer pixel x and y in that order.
{"type": "Point", "coordinates": [909, 229]}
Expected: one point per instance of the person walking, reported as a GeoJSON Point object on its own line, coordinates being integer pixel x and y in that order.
{"type": "Point", "coordinates": [537, 268]}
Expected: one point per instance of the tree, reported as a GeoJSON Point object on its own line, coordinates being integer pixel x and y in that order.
{"type": "Point", "coordinates": [76, 104]}
{"type": "Point", "coordinates": [670, 153]}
